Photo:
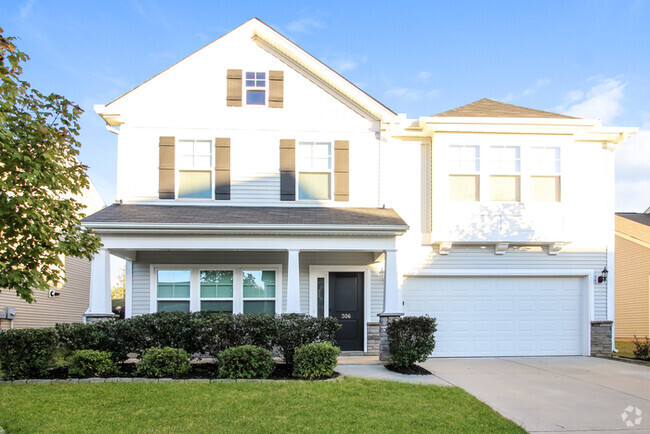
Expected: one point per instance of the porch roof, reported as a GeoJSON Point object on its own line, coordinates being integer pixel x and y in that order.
{"type": "Point", "coordinates": [245, 218]}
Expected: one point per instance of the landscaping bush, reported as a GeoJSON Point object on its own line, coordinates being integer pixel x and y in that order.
{"type": "Point", "coordinates": [115, 337]}
{"type": "Point", "coordinates": [411, 339]}
{"type": "Point", "coordinates": [246, 361]}
{"type": "Point", "coordinates": [159, 362]}
{"type": "Point", "coordinates": [26, 353]}
{"type": "Point", "coordinates": [294, 330]}
{"type": "Point", "coordinates": [165, 329]}
{"type": "Point", "coordinates": [91, 363]}
{"type": "Point", "coordinates": [642, 349]}
{"type": "Point", "coordinates": [315, 360]}
{"type": "Point", "coordinates": [218, 332]}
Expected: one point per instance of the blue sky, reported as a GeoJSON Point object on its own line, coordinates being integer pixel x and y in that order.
{"type": "Point", "coordinates": [583, 58]}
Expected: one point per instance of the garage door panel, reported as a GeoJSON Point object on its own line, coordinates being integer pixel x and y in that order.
{"type": "Point", "coordinates": [500, 316]}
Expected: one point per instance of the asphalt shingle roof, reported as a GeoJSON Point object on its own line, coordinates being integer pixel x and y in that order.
{"type": "Point", "coordinates": [273, 215]}
{"type": "Point", "coordinates": [487, 108]}
{"type": "Point", "coordinates": [642, 218]}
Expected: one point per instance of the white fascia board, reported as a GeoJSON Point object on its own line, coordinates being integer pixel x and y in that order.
{"type": "Point", "coordinates": [444, 120]}
{"type": "Point", "coordinates": [247, 229]}
{"type": "Point", "coordinates": [112, 119]}
{"type": "Point", "coordinates": [273, 39]}
{"type": "Point", "coordinates": [200, 242]}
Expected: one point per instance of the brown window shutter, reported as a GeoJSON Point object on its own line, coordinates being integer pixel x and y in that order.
{"type": "Point", "coordinates": [341, 170]}
{"type": "Point", "coordinates": [287, 169]}
{"type": "Point", "coordinates": [276, 89]}
{"type": "Point", "coordinates": [222, 169]}
{"type": "Point", "coordinates": [166, 168]}
{"type": "Point", "coordinates": [233, 98]}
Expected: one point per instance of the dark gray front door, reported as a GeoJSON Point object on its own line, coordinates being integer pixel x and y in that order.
{"type": "Point", "coordinates": [346, 304]}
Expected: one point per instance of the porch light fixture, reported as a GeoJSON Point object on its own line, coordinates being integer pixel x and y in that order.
{"type": "Point", "coordinates": [603, 276]}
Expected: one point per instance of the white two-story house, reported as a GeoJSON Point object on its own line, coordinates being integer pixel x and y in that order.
{"type": "Point", "coordinates": [253, 178]}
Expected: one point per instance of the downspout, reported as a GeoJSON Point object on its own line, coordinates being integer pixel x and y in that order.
{"type": "Point", "coordinates": [611, 238]}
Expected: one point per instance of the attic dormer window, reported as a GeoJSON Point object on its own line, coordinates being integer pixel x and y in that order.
{"type": "Point", "coordinates": [255, 88]}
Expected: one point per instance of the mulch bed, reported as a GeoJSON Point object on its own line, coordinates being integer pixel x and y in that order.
{"type": "Point", "coordinates": [411, 370]}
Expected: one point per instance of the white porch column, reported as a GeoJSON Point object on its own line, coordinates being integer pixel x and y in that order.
{"type": "Point", "coordinates": [392, 300]}
{"type": "Point", "coordinates": [100, 287]}
{"type": "Point", "coordinates": [293, 282]}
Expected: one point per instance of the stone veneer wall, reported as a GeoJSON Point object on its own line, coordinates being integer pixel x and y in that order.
{"type": "Point", "coordinates": [373, 339]}
{"type": "Point", "coordinates": [601, 338]}
{"type": "Point", "coordinates": [384, 351]}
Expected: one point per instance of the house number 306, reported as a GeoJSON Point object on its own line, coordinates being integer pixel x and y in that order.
{"type": "Point", "coordinates": [346, 316]}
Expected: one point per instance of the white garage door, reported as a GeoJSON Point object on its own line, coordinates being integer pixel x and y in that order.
{"type": "Point", "coordinates": [501, 316]}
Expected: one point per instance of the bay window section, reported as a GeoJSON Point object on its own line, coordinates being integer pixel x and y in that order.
{"type": "Point", "coordinates": [195, 169]}
{"type": "Point", "coordinates": [314, 171]}
{"type": "Point", "coordinates": [505, 179]}
{"type": "Point", "coordinates": [216, 291]}
{"type": "Point", "coordinates": [173, 290]}
{"type": "Point", "coordinates": [259, 291]}
{"type": "Point", "coordinates": [545, 174]}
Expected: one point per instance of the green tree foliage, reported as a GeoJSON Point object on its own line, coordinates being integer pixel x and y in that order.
{"type": "Point", "coordinates": [39, 177]}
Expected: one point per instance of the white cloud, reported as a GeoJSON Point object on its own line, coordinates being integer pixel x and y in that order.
{"type": "Point", "coordinates": [25, 9]}
{"type": "Point", "coordinates": [602, 101]}
{"type": "Point", "coordinates": [423, 76]}
{"type": "Point", "coordinates": [410, 94]}
{"type": "Point", "coordinates": [304, 25]}
{"type": "Point", "coordinates": [633, 172]}
{"type": "Point", "coordinates": [539, 83]}
{"type": "Point", "coordinates": [345, 62]}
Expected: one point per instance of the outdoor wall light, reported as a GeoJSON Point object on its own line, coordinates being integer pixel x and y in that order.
{"type": "Point", "coordinates": [603, 276]}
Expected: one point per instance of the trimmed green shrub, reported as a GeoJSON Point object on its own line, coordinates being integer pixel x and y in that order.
{"type": "Point", "coordinates": [411, 339]}
{"type": "Point", "coordinates": [218, 332]}
{"type": "Point", "coordinates": [246, 361]}
{"type": "Point", "coordinates": [294, 330]}
{"type": "Point", "coordinates": [91, 363]}
{"type": "Point", "coordinates": [642, 349]}
{"type": "Point", "coordinates": [115, 337]}
{"type": "Point", "coordinates": [163, 362]}
{"type": "Point", "coordinates": [315, 360]}
{"type": "Point", "coordinates": [26, 353]}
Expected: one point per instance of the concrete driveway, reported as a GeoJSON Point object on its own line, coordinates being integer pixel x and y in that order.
{"type": "Point", "coordinates": [551, 394]}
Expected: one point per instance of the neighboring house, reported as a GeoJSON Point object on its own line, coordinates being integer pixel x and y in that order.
{"type": "Point", "coordinates": [72, 300]}
{"type": "Point", "coordinates": [633, 275]}
{"type": "Point", "coordinates": [253, 178]}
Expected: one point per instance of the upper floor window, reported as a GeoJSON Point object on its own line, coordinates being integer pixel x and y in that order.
{"type": "Point", "coordinates": [255, 88]}
{"type": "Point", "coordinates": [545, 174]}
{"type": "Point", "coordinates": [194, 169]}
{"type": "Point", "coordinates": [505, 179]}
{"type": "Point", "coordinates": [464, 179]}
{"type": "Point", "coordinates": [315, 170]}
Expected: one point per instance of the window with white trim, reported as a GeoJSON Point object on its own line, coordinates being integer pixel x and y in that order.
{"type": "Point", "coordinates": [228, 289]}
{"type": "Point", "coordinates": [195, 168]}
{"type": "Point", "coordinates": [255, 85]}
{"type": "Point", "coordinates": [544, 163]}
{"type": "Point", "coordinates": [216, 290]}
{"type": "Point", "coordinates": [464, 178]}
{"type": "Point", "coordinates": [173, 290]}
{"type": "Point", "coordinates": [505, 178]}
{"type": "Point", "coordinates": [314, 170]}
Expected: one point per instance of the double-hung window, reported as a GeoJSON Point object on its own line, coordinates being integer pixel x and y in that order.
{"type": "Point", "coordinates": [315, 170]}
{"type": "Point", "coordinates": [255, 88]}
{"type": "Point", "coordinates": [173, 290]}
{"type": "Point", "coordinates": [195, 169]}
{"type": "Point", "coordinates": [216, 290]}
{"type": "Point", "coordinates": [544, 165]}
{"type": "Point", "coordinates": [505, 168]}
{"type": "Point", "coordinates": [464, 179]}
{"type": "Point", "coordinates": [259, 291]}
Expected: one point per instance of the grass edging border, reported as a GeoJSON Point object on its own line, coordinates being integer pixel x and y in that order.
{"type": "Point", "coordinates": [159, 380]}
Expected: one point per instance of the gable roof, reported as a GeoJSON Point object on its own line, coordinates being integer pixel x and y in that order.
{"type": "Point", "coordinates": [245, 218]}
{"type": "Point", "coordinates": [272, 40]}
{"type": "Point", "coordinates": [634, 227]}
{"type": "Point", "coordinates": [487, 108]}
{"type": "Point", "coordinates": [641, 218]}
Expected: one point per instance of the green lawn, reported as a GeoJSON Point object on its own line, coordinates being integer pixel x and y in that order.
{"type": "Point", "coordinates": [625, 349]}
{"type": "Point", "coordinates": [351, 405]}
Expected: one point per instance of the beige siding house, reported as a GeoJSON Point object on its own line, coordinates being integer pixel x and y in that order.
{"type": "Point", "coordinates": [71, 302]}
{"type": "Point", "coordinates": [633, 275]}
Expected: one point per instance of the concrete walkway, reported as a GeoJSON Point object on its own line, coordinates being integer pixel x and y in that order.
{"type": "Point", "coordinates": [379, 372]}
{"type": "Point", "coordinates": [555, 394]}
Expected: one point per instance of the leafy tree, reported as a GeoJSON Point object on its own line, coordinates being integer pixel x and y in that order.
{"type": "Point", "coordinates": [118, 290]}
{"type": "Point", "coordinates": [39, 179]}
